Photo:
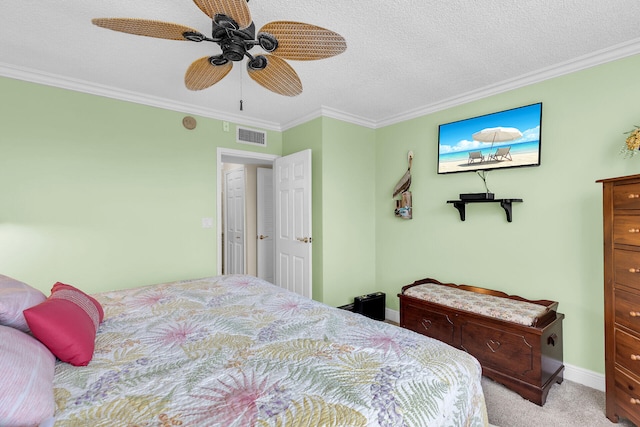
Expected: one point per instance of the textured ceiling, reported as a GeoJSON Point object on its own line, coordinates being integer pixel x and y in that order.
{"type": "Point", "coordinates": [403, 57]}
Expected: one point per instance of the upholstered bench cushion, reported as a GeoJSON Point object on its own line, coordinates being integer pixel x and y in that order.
{"type": "Point", "coordinates": [521, 312]}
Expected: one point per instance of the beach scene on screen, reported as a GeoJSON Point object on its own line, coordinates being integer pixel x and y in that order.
{"type": "Point", "coordinates": [509, 138]}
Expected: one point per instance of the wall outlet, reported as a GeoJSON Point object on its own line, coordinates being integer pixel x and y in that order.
{"type": "Point", "coordinates": [225, 126]}
{"type": "Point", "coordinates": [207, 222]}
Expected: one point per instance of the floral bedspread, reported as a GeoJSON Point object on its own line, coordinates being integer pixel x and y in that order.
{"type": "Point", "coordinates": [238, 351]}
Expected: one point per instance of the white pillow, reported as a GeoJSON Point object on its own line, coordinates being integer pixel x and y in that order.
{"type": "Point", "coordinates": [26, 379]}
{"type": "Point", "coordinates": [15, 297]}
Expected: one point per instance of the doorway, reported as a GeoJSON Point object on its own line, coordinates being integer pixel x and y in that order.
{"type": "Point", "coordinates": [254, 247]}
{"type": "Point", "coordinates": [291, 201]}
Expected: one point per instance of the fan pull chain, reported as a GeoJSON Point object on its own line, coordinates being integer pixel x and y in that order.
{"type": "Point", "coordinates": [240, 89]}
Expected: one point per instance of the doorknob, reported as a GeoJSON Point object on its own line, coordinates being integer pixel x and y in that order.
{"type": "Point", "coordinates": [304, 239]}
{"type": "Point", "coordinates": [261, 237]}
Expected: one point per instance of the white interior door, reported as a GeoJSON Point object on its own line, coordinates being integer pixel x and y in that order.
{"type": "Point", "coordinates": [234, 215]}
{"type": "Point", "coordinates": [265, 226]}
{"type": "Point", "coordinates": [292, 188]}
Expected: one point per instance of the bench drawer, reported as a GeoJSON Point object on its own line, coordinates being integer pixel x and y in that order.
{"type": "Point", "coordinates": [432, 323]}
{"type": "Point", "coordinates": [498, 349]}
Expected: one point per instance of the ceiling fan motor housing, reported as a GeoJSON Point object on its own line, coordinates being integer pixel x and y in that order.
{"type": "Point", "coordinates": [233, 41]}
{"type": "Point", "coordinates": [233, 49]}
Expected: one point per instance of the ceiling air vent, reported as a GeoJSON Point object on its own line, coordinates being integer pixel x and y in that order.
{"type": "Point", "coordinates": [251, 136]}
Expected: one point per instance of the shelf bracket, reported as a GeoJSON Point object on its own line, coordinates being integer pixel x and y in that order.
{"type": "Point", "coordinates": [506, 204]}
{"type": "Point", "coordinates": [461, 209]}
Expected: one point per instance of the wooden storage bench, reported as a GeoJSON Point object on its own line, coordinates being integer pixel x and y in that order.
{"type": "Point", "coordinates": [517, 341]}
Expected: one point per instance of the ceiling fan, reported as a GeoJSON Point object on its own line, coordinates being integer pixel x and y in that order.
{"type": "Point", "coordinates": [235, 33]}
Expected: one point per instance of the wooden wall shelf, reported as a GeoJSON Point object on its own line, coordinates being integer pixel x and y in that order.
{"type": "Point", "coordinates": [505, 203]}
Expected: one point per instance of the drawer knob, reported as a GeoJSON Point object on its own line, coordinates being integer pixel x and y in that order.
{"type": "Point", "coordinates": [635, 401]}
{"type": "Point", "coordinates": [634, 313]}
{"type": "Point", "coordinates": [634, 196]}
{"type": "Point", "coordinates": [634, 230]}
{"type": "Point", "coordinates": [634, 270]}
{"type": "Point", "coordinates": [635, 357]}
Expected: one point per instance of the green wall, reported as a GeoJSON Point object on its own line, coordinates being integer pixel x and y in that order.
{"type": "Point", "coordinates": [348, 196]}
{"type": "Point", "coordinates": [105, 194]}
{"type": "Point", "coordinates": [343, 181]}
{"type": "Point", "coordinates": [553, 247]}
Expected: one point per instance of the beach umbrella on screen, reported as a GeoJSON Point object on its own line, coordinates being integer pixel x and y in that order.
{"type": "Point", "coordinates": [497, 134]}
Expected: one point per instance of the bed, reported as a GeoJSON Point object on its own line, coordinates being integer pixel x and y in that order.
{"type": "Point", "coordinates": [238, 351]}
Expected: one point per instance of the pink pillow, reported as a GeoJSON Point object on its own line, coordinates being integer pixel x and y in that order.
{"type": "Point", "coordinates": [15, 297]}
{"type": "Point", "coordinates": [67, 323]}
{"type": "Point", "coordinates": [26, 379]}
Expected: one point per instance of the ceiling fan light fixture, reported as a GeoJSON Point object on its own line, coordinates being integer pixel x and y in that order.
{"type": "Point", "coordinates": [217, 60]}
{"type": "Point", "coordinates": [267, 41]}
{"type": "Point", "coordinates": [193, 36]}
{"type": "Point", "coordinates": [257, 63]}
{"type": "Point", "coordinates": [225, 21]}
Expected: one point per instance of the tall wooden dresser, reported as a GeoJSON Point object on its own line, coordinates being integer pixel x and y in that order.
{"type": "Point", "coordinates": [621, 212]}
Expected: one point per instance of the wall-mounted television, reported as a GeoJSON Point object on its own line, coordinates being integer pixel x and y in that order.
{"type": "Point", "coordinates": [506, 139]}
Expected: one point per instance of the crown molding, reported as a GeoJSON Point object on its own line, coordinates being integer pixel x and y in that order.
{"type": "Point", "coordinates": [331, 113]}
{"type": "Point", "coordinates": [61, 82]}
{"type": "Point", "coordinates": [351, 118]}
{"type": "Point", "coordinates": [593, 59]}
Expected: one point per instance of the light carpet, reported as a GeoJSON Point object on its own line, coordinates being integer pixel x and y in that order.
{"type": "Point", "coordinates": [568, 405]}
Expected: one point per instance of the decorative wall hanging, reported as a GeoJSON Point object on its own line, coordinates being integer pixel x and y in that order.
{"type": "Point", "coordinates": [632, 143]}
{"type": "Point", "coordinates": [189, 122]}
{"type": "Point", "coordinates": [404, 207]}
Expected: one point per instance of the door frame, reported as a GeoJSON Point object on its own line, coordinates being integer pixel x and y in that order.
{"type": "Point", "coordinates": [232, 156]}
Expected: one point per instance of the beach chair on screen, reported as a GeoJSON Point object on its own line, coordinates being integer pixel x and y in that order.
{"type": "Point", "coordinates": [475, 155]}
{"type": "Point", "coordinates": [501, 154]}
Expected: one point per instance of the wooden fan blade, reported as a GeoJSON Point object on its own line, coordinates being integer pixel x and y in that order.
{"type": "Point", "coordinates": [277, 76]}
{"type": "Point", "coordinates": [235, 9]}
{"type": "Point", "coordinates": [201, 74]}
{"type": "Point", "coordinates": [145, 27]}
{"type": "Point", "coordinates": [300, 41]}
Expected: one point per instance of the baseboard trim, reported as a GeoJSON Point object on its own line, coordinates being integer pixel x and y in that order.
{"type": "Point", "coordinates": [572, 373]}
{"type": "Point", "coordinates": [393, 315]}
{"type": "Point", "coordinates": [584, 376]}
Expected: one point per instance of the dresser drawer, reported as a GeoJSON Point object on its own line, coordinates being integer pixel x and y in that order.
{"type": "Point", "coordinates": [628, 393]}
{"type": "Point", "coordinates": [626, 230]}
{"type": "Point", "coordinates": [627, 268]}
{"type": "Point", "coordinates": [626, 196]}
{"type": "Point", "coordinates": [627, 307]}
{"type": "Point", "coordinates": [627, 351]}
